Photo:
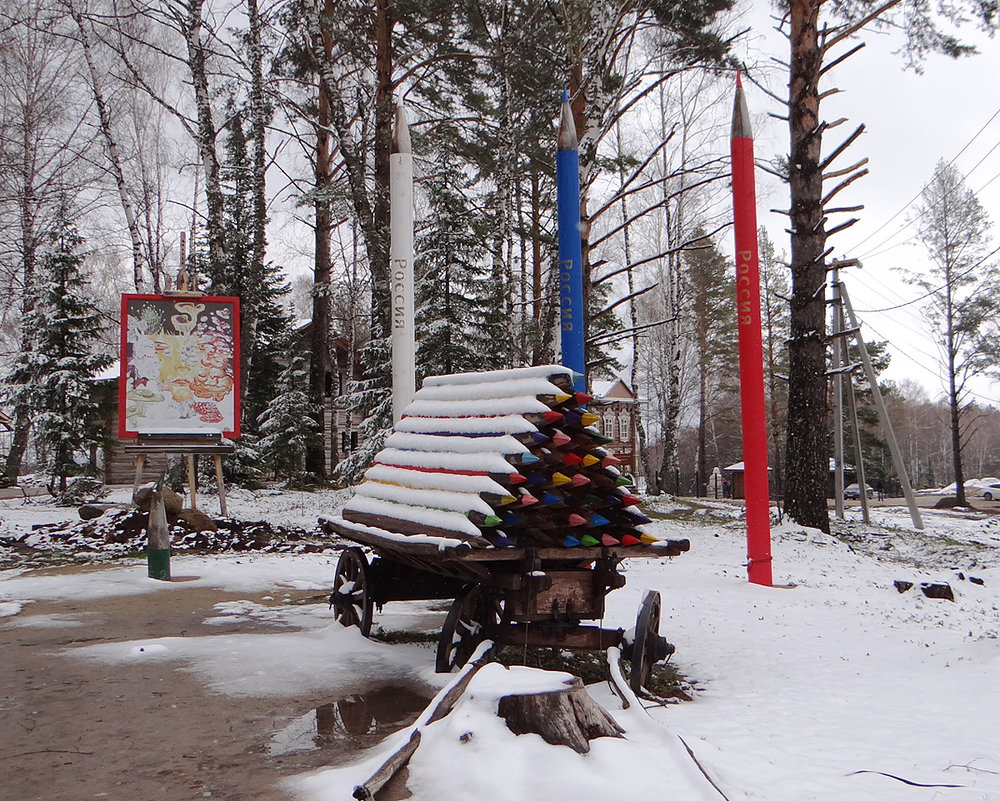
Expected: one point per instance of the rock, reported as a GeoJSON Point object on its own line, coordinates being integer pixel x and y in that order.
{"type": "Point", "coordinates": [977, 580]}
{"type": "Point", "coordinates": [941, 590]}
{"type": "Point", "coordinates": [902, 586]}
{"type": "Point", "coordinates": [172, 502]}
{"type": "Point", "coordinates": [91, 511]}
{"type": "Point", "coordinates": [197, 520]}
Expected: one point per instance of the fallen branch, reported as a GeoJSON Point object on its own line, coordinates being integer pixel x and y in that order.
{"type": "Point", "coordinates": [904, 781]}
{"type": "Point", "coordinates": [445, 702]}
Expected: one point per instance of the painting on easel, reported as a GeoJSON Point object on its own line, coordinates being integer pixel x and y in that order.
{"type": "Point", "coordinates": [179, 366]}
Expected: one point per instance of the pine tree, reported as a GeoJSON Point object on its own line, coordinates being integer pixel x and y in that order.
{"type": "Point", "coordinates": [54, 378]}
{"type": "Point", "coordinates": [287, 427]}
{"type": "Point", "coordinates": [456, 307]}
{"type": "Point", "coordinates": [713, 309]}
{"type": "Point", "coordinates": [265, 331]}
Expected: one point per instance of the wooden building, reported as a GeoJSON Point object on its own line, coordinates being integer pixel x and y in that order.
{"type": "Point", "coordinates": [617, 406]}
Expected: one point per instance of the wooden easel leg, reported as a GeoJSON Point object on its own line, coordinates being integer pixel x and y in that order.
{"type": "Point", "coordinates": [140, 460]}
{"type": "Point", "coordinates": [222, 486]}
{"type": "Point", "coordinates": [192, 483]}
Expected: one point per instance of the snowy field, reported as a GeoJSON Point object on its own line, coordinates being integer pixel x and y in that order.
{"type": "Point", "coordinates": [831, 685]}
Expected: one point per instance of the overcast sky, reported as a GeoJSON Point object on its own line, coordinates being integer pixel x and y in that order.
{"type": "Point", "coordinates": [951, 111]}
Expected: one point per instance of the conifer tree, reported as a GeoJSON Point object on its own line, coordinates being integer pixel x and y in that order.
{"type": "Point", "coordinates": [287, 427]}
{"type": "Point", "coordinates": [713, 311]}
{"type": "Point", "coordinates": [53, 380]}
{"type": "Point", "coordinates": [455, 314]}
{"type": "Point", "coordinates": [265, 330]}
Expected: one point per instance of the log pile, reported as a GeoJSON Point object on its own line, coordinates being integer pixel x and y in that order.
{"type": "Point", "coordinates": [499, 459]}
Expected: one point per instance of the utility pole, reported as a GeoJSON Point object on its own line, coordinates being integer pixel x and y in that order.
{"type": "Point", "coordinates": [890, 435]}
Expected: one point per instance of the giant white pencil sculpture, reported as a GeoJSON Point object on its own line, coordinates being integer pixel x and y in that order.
{"type": "Point", "coordinates": [404, 371]}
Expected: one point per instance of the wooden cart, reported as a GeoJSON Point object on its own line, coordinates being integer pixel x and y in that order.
{"type": "Point", "coordinates": [512, 596]}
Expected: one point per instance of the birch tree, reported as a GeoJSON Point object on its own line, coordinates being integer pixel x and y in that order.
{"type": "Point", "coordinates": [42, 154]}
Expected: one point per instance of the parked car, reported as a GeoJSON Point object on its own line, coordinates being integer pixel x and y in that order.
{"type": "Point", "coordinates": [992, 492]}
{"type": "Point", "coordinates": [853, 491]}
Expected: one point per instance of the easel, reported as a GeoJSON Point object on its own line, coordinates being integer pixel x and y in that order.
{"type": "Point", "coordinates": [188, 445]}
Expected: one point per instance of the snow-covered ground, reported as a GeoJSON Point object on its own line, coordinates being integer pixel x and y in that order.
{"type": "Point", "coordinates": [830, 685]}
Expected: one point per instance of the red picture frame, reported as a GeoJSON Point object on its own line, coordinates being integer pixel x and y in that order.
{"type": "Point", "coordinates": [180, 366]}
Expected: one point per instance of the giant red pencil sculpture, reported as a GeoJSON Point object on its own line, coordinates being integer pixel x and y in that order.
{"type": "Point", "coordinates": [751, 349]}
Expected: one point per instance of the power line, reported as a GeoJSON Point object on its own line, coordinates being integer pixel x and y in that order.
{"type": "Point", "coordinates": [935, 290]}
{"type": "Point", "coordinates": [916, 196]}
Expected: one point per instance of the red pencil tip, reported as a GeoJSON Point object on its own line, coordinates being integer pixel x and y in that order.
{"type": "Point", "coordinates": [739, 79]}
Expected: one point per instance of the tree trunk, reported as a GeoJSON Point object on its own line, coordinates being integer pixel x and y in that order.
{"type": "Point", "coordinates": [808, 444]}
{"type": "Point", "coordinates": [955, 412]}
{"type": "Point", "coordinates": [116, 166]}
{"type": "Point", "coordinates": [319, 364]}
{"type": "Point", "coordinates": [29, 253]}
{"type": "Point", "coordinates": [565, 717]}
{"type": "Point", "coordinates": [258, 190]}
{"type": "Point", "coordinates": [379, 236]}
{"type": "Point", "coordinates": [214, 200]}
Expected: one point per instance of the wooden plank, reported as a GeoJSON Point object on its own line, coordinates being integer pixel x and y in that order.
{"type": "Point", "coordinates": [390, 545]}
{"type": "Point", "coordinates": [541, 635]}
{"type": "Point", "coordinates": [398, 759]}
{"type": "Point", "coordinates": [397, 525]}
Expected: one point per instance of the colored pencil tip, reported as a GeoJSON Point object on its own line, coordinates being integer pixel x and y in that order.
{"type": "Point", "coordinates": [527, 499]}
{"type": "Point", "coordinates": [588, 541]}
{"type": "Point", "coordinates": [628, 539]}
{"type": "Point", "coordinates": [516, 478]}
{"type": "Point", "coordinates": [570, 542]}
{"type": "Point", "coordinates": [552, 417]}
{"type": "Point", "coordinates": [492, 521]}
{"type": "Point", "coordinates": [739, 78]}
{"type": "Point", "coordinates": [565, 97]}
{"type": "Point", "coordinates": [579, 480]}
{"type": "Point", "coordinates": [561, 478]}
{"type": "Point", "coordinates": [559, 438]}
{"type": "Point", "coordinates": [590, 460]}
{"type": "Point", "coordinates": [528, 458]}
{"type": "Point", "coordinates": [608, 541]}
{"type": "Point", "coordinates": [577, 520]}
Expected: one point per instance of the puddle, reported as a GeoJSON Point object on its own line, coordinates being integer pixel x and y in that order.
{"type": "Point", "coordinates": [360, 720]}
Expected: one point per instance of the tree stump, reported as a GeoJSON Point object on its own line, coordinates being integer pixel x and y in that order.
{"type": "Point", "coordinates": [563, 717]}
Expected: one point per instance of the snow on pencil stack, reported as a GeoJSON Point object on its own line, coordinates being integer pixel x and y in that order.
{"type": "Point", "coordinates": [498, 459]}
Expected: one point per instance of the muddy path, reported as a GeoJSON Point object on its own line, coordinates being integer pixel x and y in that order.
{"type": "Point", "coordinates": [73, 729]}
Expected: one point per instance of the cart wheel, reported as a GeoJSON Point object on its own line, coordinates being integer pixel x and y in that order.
{"type": "Point", "coordinates": [351, 596]}
{"type": "Point", "coordinates": [649, 647]}
{"type": "Point", "coordinates": [473, 617]}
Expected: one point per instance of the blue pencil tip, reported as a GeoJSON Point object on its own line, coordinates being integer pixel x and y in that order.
{"type": "Point", "coordinates": [565, 95]}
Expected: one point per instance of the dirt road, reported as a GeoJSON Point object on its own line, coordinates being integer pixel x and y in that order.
{"type": "Point", "coordinates": [72, 729]}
